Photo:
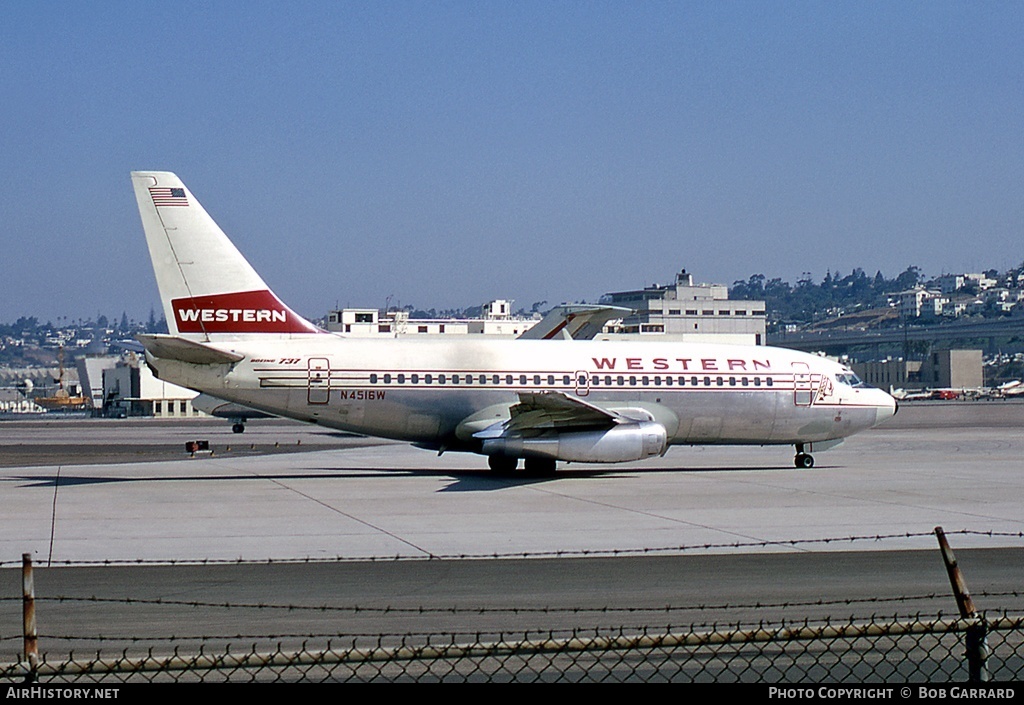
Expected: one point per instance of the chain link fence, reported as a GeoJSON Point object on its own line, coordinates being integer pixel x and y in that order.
{"type": "Point", "coordinates": [914, 650]}
{"type": "Point", "coordinates": [974, 647]}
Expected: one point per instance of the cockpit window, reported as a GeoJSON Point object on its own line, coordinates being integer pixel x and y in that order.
{"type": "Point", "coordinates": [849, 379]}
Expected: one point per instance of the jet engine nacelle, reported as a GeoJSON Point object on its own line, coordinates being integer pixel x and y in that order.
{"type": "Point", "coordinates": [620, 444]}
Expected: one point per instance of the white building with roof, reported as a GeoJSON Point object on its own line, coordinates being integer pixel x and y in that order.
{"type": "Point", "coordinates": [688, 311]}
{"type": "Point", "coordinates": [497, 320]}
{"type": "Point", "coordinates": [131, 389]}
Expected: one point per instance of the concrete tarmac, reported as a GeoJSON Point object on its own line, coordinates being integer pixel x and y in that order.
{"type": "Point", "coordinates": [703, 535]}
{"type": "Point", "coordinates": [958, 465]}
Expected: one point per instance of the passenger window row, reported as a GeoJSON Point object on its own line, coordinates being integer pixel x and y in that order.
{"type": "Point", "coordinates": [680, 381]}
{"type": "Point", "coordinates": [477, 379]}
{"type": "Point", "coordinates": [564, 380]}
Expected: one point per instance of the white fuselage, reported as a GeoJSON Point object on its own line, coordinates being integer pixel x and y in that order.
{"type": "Point", "coordinates": [544, 401]}
{"type": "Point", "coordinates": [438, 393]}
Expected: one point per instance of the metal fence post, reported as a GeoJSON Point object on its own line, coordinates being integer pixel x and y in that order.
{"type": "Point", "coordinates": [28, 617]}
{"type": "Point", "coordinates": [977, 634]}
{"type": "Point", "coordinates": [977, 651]}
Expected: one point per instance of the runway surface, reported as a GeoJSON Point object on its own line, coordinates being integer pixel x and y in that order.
{"type": "Point", "coordinates": [701, 535]}
{"type": "Point", "coordinates": [955, 465]}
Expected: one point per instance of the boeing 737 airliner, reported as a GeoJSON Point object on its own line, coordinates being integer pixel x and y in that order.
{"type": "Point", "coordinates": [538, 400]}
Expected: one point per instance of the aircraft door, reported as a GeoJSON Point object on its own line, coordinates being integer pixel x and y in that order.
{"type": "Point", "coordinates": [582, 383]}
{"type": "Point", "coordinates": [803, 385]}
{"type": "Point", "coordinates": [318, 390]}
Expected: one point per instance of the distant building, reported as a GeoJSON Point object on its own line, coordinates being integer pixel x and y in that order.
{"type": "Point", "coordinates": [497, 320]}
{"type": "Point", "coordinates": [942, 369]}
{"type": "Point", "coordinates": [949, 283]}
{"type": "Point", "coordinates": [15, 401]}
{"type": "Point", "coordinates": [90, 374]}
{"type": "Point", "coordinates": [913, 303]}
{"type": "Point", "coordinates": [956, 369]}
{"type": "Point", "coordinates": [891, 373]}
{"type": "Point", "coordinates": [131, 389]}
{"type": "Point", "coordinates": [934, 306]}
{"type": "Point", "coordinates": [982, 281]}
{"type": "Point", "coordinates": [43, 389]}
{"type": "Point", "coordinates": [685, 311]}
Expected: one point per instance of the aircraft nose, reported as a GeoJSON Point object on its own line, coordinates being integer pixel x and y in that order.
{"type": "Point", "coordinates": [886, 408]}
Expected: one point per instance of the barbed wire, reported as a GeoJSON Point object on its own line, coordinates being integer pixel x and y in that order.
{"type": "Point", "coordinates": [576, 553]}
{"type": "Point", "coordinates": [384, 611]}
{"type": "Point", "coordinates": [389, 609]}
{"type": "Point", "coordinates": [1016, 621]}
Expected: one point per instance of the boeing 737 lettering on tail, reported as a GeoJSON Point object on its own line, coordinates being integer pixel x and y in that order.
{"type": "Point", "coordinates": [540, 401]}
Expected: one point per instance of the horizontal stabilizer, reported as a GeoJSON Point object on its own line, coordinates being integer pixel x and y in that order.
{"type": "Point", "coordinates": [170, 347]}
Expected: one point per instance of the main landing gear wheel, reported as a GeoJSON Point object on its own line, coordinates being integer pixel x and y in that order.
{"type": "Point", "coordinates": [540, 467]}
{"type": "Point", "coordinates": [238, 428]}
{"type": "Point", "coordinates": [502, 464]}
{"type": "Point", "coordinates": [803, 460]}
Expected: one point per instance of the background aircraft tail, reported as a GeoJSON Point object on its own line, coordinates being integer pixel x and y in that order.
{"type": "Point", "coordinates": [208, 289]}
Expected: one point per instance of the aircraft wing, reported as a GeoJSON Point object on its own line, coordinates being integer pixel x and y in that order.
{"type": "Point", "coordinates": [537, 412]}
{"type": "Point", "coordinates": [558, 426]}
{"type": "Point", "coordinates": [574, 321]}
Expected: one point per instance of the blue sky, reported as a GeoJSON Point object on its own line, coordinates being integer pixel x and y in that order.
{"type": "Point", "coordinates": [441, 154]}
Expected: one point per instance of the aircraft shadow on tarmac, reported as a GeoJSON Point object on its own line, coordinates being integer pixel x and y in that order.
{"type": "Point", "coordinates": [487, 481]}
{"type": "Point", "coordinates": [481, 480]}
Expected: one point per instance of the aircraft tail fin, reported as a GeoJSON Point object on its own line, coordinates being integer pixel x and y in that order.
{"type": "Point", "coordinates": [208, 289]}
{"type": "Point", "coordinates": [574, 322]}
